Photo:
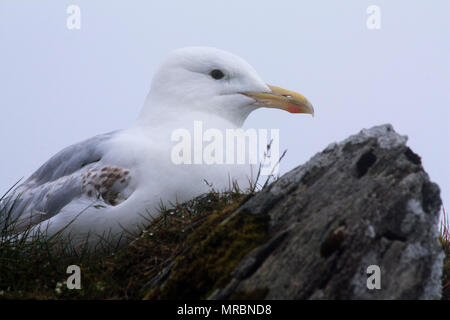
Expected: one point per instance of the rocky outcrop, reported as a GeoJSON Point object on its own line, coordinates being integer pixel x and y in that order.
{"type": "Point", "coordinates": [366, 201]}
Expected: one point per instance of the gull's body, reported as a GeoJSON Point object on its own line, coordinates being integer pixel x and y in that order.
{"type": "Point", "coordinates": [112, 182]}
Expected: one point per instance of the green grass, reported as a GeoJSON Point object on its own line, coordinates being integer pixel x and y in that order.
{"type": "Point", "coordinates": [37, 269]}
{"type": "Point", "coordinates": [444, 237]}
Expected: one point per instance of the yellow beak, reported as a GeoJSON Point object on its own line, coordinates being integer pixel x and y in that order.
{"type": "Point", "coordinates": [280, 98]}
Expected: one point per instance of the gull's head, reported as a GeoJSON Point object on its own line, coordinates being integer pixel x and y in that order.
{"type": "Point", "coordinates": [211, 82]}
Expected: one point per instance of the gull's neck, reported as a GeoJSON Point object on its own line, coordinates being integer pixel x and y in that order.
{"type": "Point", "coordinates": [164, 114]}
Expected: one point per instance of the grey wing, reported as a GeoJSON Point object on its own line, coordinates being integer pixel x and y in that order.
{"type": "Point", "coordinates": [55, 183]}
{"type": "Point", "coordinates": [70, 159]}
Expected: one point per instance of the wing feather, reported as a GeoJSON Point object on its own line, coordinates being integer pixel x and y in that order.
{"type": "Point", "coordinates": [64, 178]}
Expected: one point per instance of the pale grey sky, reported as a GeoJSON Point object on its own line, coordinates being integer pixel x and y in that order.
{"type": "Point", "coordinates": [59, 86]}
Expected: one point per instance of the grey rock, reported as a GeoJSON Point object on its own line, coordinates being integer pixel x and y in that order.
{"type": "Point", "coordinates": [365, 201]}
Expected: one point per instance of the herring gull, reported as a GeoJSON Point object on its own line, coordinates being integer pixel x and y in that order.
{"type": "Point", "coordinates": [105, 184]}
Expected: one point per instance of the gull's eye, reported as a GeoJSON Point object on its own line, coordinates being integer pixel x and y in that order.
{"type": "Point", "coordinates": [217, 74]}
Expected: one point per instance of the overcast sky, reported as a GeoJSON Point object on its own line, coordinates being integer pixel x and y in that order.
{"type": "Point", "coordinates": [59, 86]}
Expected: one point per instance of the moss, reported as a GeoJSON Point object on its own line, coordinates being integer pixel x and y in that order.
{"type": "Point", "coordinates": [215, 250]}
{"type": "Point", "coordinates": [257, 294]}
